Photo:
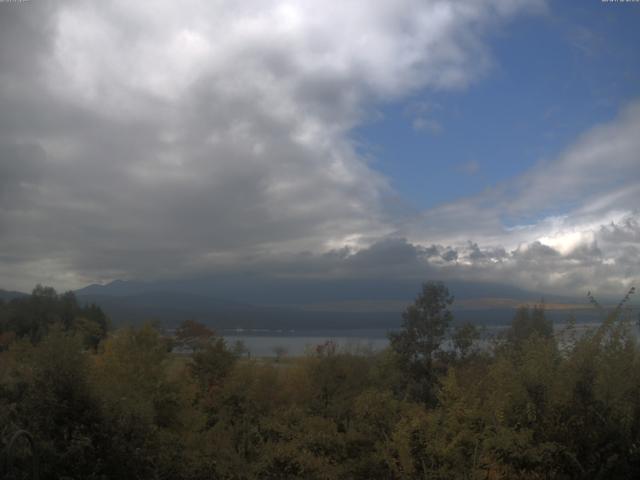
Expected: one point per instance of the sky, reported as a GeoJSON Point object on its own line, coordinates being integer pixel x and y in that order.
{"type": "Point", "coordinates": [485, 140]}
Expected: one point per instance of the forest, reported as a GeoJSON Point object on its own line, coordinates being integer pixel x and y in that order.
{"type": "Point", "coordinates": [82, 400]}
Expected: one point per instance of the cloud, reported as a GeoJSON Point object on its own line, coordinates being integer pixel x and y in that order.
{"type": "Point", "coordinates": [570, 224]}
{"type": "Point", "coordinates": [422, 124]}
{"type": "Point", "coordinates": [171, 139]}
{"type": "Point", "coordinates": [599, 170]}
{"type": "Point", "coordinates": [422, 114]}
{"type": "Point", "coordinates": [152, 139]}
{"type": "Point", "coordinates": [625, 232]}
{"type": "Point", "coordinates": [469, 168]}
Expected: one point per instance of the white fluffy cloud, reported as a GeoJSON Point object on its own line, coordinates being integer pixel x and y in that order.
{"type": "Point", "coordinates": [591, 240]}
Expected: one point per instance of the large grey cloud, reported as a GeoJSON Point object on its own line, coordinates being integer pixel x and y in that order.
{"type": "Point", "coordinates": [160, 138]}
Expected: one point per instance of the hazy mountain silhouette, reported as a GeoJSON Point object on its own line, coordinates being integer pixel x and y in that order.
{"type": "Point", "coordinates": [7, 295]}
{"type": "Point", "coordinates": [266, 303]}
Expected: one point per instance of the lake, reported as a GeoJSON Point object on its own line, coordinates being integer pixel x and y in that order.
{"type": "Point", "coordinates": [263, 343]}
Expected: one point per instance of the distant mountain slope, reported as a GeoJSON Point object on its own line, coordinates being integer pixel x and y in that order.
{"type": "Point", "coordinates": [172, 308]}
{"type": "Point", "coordinates": [260, 290]}
{"type": "Point", "coordinates": [117, 287]}
{"type": "Point", "coordinates": [278, 304]}
{"type": "Point", "coordinates": [259, 303]}
{"type": "Point", "coordinates": [9, 295]}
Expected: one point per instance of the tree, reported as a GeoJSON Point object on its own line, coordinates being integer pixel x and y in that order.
{"type": "Point", "coordinates": [529, 321]}
{"type": "Point", "coordinates": [280, 351]}
{"type": "Point", "coordinates": [55, 403]}
{"type": "Point", "coordinates": [424, 326]}
{"type": "Point", "coordinates": [194, 335]}
{"type": "Point", "coordinates": [33, 316]}
{"type": "Point", "coordinates": [144, 405]}
{"type": "Point", "coordinates": [463, 339]}
{"type": "Point", "coordinates": [211, 363]}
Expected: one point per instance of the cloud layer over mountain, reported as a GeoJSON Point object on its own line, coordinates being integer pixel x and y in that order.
{"type": "Point", "coordinates": [159, 139]}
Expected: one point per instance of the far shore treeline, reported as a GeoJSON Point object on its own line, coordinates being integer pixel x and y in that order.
{"type": "Point", "coordinates": [81, 400]}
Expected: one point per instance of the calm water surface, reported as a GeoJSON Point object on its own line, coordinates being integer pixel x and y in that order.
{"type": "Point", "coordinates": [264, 343]}
{"type": "Point", "coordinates": [294, 343]}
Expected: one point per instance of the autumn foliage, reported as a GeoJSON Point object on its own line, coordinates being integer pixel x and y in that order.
{"type": "Point", "coordinates": [530, 404]}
